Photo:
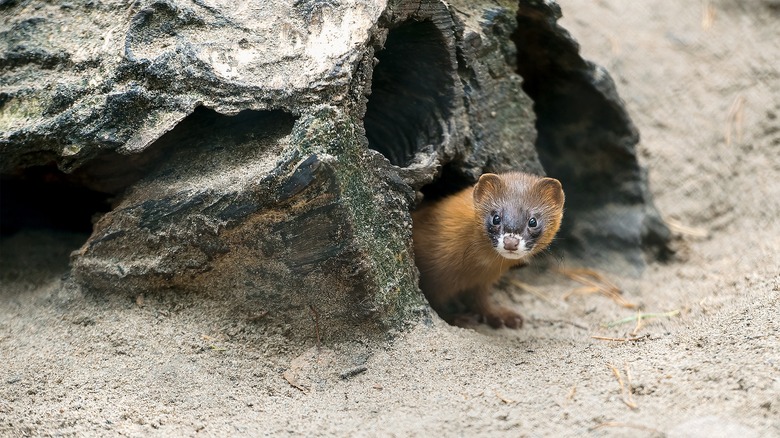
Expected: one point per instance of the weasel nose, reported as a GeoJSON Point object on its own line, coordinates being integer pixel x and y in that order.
{"type": "Point", "coordinates": [511, 243]}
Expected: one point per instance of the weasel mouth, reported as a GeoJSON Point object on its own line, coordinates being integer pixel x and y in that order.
{"type": "Point", "coordinates": [513, 255]}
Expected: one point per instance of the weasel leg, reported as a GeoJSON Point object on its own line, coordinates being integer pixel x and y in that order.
{"type": "Point", "coordinates": [446, 305]}
{"type": "Point", "coordinates": [496, 316]}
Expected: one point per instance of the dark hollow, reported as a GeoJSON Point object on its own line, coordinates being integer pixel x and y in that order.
{"type": "Point", "coordinates": [585, 137]}
{"type": "Point", "coordinates": [411, 92]}
{"type": "Point", "coordinates": [113, 172]}
{"type": "Point", "coordinates": [451, 180]}
{"type": "Point", "coordinates": [43, 197]}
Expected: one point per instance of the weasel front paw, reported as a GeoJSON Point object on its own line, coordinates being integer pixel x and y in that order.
{"type": "Point", "coordinates": [503, 317]}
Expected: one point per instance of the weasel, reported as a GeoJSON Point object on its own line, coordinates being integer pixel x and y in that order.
{"type": "Point", "coordinates": [465, 242]}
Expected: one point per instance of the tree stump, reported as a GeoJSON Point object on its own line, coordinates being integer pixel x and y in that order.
{"type": "Point", "coordinates": [270, 153]}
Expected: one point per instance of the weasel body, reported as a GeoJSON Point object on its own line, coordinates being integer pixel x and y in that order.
{"type": "Point", "coordinates": [465, 242]}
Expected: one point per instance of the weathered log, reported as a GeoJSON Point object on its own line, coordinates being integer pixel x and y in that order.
{"type": "Point", "coordinates": [271, 153]}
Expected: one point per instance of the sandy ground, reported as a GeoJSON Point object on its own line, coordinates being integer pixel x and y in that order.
{"type": "Point", "coordinates": [701, 81]}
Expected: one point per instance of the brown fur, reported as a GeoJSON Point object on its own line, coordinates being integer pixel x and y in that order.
{"type": "Point", "coordinates": [457, 262]}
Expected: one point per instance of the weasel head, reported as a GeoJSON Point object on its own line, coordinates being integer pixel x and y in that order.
{"type": "Point", "coordinates": [520, 213]}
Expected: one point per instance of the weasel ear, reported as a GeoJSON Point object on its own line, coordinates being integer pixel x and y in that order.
{"type": "Point", "coordinates": [551, 189]}
{"type": "Point", "coordinates": [488, 184]}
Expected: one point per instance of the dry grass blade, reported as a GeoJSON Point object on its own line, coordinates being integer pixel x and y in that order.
{"type": "Point", "coordinates": [572, 393]}
{"type": "Point", "coordinates": [707, 16]}
{"type": "Point", "coordinates": [642, 316]}
{"type": "Point", "coordinates": [504, 399]}
{"type": "Point", "coordinates": [606, 338]}
{"type": "Point", "coordinates": [638, 325]}
{"type": "Point", "coordinates": [562, 321]}
{"type": "Point", "coordinates": [595, 282]}
{"type": "Point", "coordinates": [679, 228]}
{"type": "Point", "coordinates": [625, 390]}
{"type": "Point", "coordinates": [531, 289]}
{"type": "Point", "coordinates": [293, 381]}
{"type": "Point", "coordinates": [582, 291]}
{"type": "Point", "coordinates": [736, 117]}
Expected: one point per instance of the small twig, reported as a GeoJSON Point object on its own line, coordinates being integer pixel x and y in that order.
{"type": "Point", "coordinates": [605, 338]}
{"type": "Point", "coordinates": [707, 16]}
{"type": "Point", "coordinates": [617, 376]}
{"type": "Point", "coordinates": [212, 342]}
{"type": "Point", "coordinates": [290, 378]}
{"type": "Point", "coordinates": [562, 321]}
{"type": "Point", "coordinates": [736, 115]}
{"type": "Point", "coordinates": [684, 230]}
{"type": "Point", "coordinates": [504, 399]}
{"type": "Point", "coordinates": [595, 283]}
{"type": "Point", "coordinates": [316, 319]}
{"type": "Point", "coordinates": [572, 393]}
{"type": "Point", "coordinates": [596, 275]}
{"type": "Point", "coordinates": [628, 383]}
{"type": "Point", "coordinates": [352, 372]}
{"type": "Point", "coordinates": [582, 291]}
{"type": "Point", "coordinates": [643, 316]}
{"type": "Point", "coordinates": [625, 391]}
{"type": "Point", "coordinates": [638, 325]}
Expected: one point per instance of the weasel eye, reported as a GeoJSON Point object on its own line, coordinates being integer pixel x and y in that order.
{"type": "Point", "coordinates": [496, 219]}
{"type": "Point", "coordinates": [532, 222]}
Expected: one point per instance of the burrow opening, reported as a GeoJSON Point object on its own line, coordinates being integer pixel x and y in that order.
{"type": "Point", "coordinates": [412, 91]}
{"type": "Point", "coordinates": [45, 198]}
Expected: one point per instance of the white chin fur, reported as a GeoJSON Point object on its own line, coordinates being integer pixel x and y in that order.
{"type": "Point", "coordinates": [512, 255]}
{"type": "Point", "coordinates": [517, 254]}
